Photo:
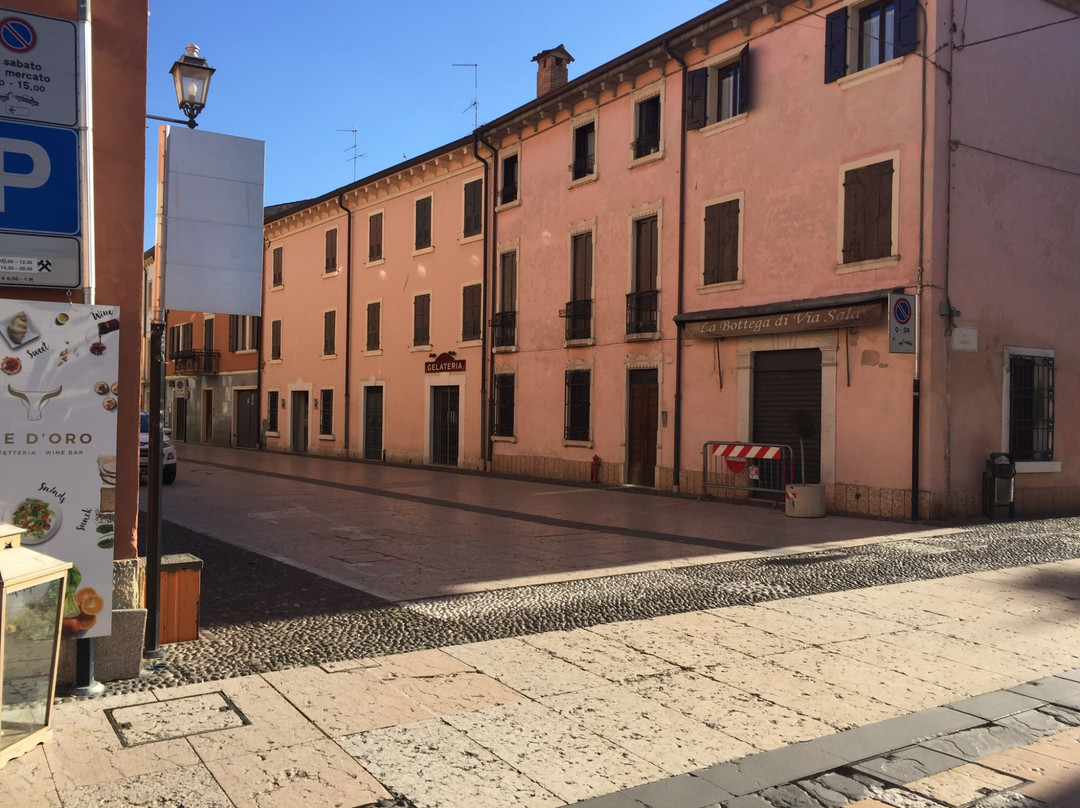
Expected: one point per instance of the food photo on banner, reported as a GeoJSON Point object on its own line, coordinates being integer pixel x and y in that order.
{"type": "Point", "coordinates": [58, 405]}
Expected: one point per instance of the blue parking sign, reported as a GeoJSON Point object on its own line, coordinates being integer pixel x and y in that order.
{"type": "Point", "coordinates": [39, 179]}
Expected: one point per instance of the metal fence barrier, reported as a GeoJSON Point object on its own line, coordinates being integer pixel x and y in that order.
{"type": "Point", "coordinates": [749, 468]}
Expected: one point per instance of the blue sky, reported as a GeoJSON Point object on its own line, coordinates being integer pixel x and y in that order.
{"type": "Point", "coordinates": [294, 74]}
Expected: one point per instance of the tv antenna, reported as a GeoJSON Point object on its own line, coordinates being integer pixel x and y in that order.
{"type": "Point", "coordinates": [352, 148]}
{"type": "Point", "coordinates": [475, 105]}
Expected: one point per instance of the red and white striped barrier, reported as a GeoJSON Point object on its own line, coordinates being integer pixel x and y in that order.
{"type": "Point", "coordinates": [747, 451]}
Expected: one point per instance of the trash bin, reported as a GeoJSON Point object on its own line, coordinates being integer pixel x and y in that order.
{"type": "Point", "coordinates": [1000, 483]}
{"type": "Point", "coordinates": [181, 591]}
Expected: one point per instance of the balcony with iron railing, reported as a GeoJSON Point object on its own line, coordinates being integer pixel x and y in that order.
{"type": "Point", "coordinates": [578, 315]}
{"type": "Point", "coordinates": [647, 143]}
{"type": "Point", "coordinates": [583, 167]}
{"type": "Point", "coordinates": [642, 312]}
{"type": "Point", "coordinates": [193, 362]}
{"type": "Point", "coordinates": [504, 329]}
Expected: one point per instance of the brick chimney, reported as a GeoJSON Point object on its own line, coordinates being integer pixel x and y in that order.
{"type": "Point", "coordinates": [551, 69]}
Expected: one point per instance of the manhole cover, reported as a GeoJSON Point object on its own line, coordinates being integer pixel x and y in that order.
{"type": "Point", "coordinates": [175, 718]}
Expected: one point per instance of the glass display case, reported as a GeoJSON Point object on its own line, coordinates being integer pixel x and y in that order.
{"type": "Point", "coordinates": [31, 607]}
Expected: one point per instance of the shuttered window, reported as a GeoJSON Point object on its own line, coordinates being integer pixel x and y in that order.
{"type": "Point", "coordinates": [375, 237]}
{"type": "Point", "coordinates": [422, 320]}
{"type": "Point", "coordinates": [584, 151]}
{"type": "Point", "coordinates": [885, 30]}
{"type": "Point", "coordinates": [275, 339]}
{"type": "Point", "coordinates": [374, 315]}
{"type": "Point", "coordinates": [474, 208]}
{"type": "Point", "coordinates": [718, 92]}
{"type": "Point", "coordinates": [423, 223]}
{"type": "Point", "coordinates": [278, 266]}
{"type": "Point", "coordinates": [329, 333]}
{"type": "Point", "coordinates": [868, 193]}
{"type": "Point", "coordinates": [331, 251]}
{"type": "Point", "coordinates": [722, 242]}
{"type": "Point", "coordinates": [470, 313]}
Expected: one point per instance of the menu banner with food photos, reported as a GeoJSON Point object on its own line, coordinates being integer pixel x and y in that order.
{"type": "Point", "coordinates": [58, 403]}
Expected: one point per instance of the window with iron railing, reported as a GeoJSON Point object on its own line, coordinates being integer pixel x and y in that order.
{"type": "Point", "coordinates": [509, 191]}
{"type": "Point", "coordinates": [504, 329]}
{"type": "Point", "coordinates": [641, 312]}
{"type": "Point", "coordinates": [578, 314]}
{"type": "Point", "coordinates": [647, 133]}
{"type": "Point", "coordinates": [584, 151]}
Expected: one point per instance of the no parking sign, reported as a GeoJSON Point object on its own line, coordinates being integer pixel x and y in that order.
{"type": "Point", "coordinates": [901, 323]}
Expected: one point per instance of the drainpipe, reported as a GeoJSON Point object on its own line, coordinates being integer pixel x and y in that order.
{"type": "Point", "coordinates": [677, 420]}
{"type": "Point", "coordinates": [487, 365]}
{"type": "Point", "coordinates": [348, 317]}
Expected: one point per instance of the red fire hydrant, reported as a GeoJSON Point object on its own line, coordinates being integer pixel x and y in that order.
{"type": "Point", "coordinates": [596, 468]}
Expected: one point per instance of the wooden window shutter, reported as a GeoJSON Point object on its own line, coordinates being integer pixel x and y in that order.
{"type": "Point", "coordinates": [855, 202]}
{"type": "Point", "coordinates": [729, 241]}
{"type": "Point", "coordinates": [331, 250]}
{"type": "Point", "coordinates": [906, 27]}
{"type": "Point", "coordinates": [712, 244]}
{"type": "Point", "coordinates": [880, 218]}
{"type": "Point", "coordinates": [697, 83]}
{"type": "Point", "coordinates": [744, 79]}
{"type": "Point", "coordinates": [836, 44]}
{"type": "Point", "coordinates": [375, 250]}
{"type": "Point", "coordinates": [234, 331]}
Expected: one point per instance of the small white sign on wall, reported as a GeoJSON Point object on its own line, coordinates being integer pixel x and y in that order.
{"type": "Point", "coordinates": [965, 338]}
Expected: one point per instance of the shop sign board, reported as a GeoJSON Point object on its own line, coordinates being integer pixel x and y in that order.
{"type": "Point", "coordinates": [59, 400]}
{"type": "Point", "coordinates": [784, 322]}
{"type": "Point", "coordinates": [445, 363]}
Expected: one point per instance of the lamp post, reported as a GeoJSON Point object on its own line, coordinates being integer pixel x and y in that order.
{"type": "Point", "coordinates": [191, 77]}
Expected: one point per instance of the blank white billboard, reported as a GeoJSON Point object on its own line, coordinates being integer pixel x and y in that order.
{"type": "Point", "coordinates": [211, 231]}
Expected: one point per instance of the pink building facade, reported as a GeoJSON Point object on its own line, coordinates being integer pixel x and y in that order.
{"type": "Point", "coordinates": [839, 228]}
{"type": "Point", "coordinates": [372, 317]}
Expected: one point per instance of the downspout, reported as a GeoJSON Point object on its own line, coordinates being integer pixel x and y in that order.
{"type": "Point", "coordinates": [348, 317]}
{"type": "Point", "coordinates": [677, 420]}
{"type": "Point", "coordinates": [259, 344]}
{"type": "Point", "coordinates": [487, 366]}
{"type": "Point", "coordinates": [86, 153]}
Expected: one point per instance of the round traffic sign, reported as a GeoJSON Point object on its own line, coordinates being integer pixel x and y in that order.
{"type": "Point", "coordinates": [17, 35]}
{"type": "Point", "coordinates": [902, 311]}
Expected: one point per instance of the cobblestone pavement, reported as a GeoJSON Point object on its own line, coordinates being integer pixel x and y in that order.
{"type": "Point", "coordinates": [261, 615]}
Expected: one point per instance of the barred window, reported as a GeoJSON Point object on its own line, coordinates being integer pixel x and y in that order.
{"type": "Point", "coordinates": [326, 412]}
{"type": "Point", "coordinates": [577, 404]}
{"type": "Point", "coordinates": [1031, 407]}
{"type": "Point", "coordinates": [272, 411]}
{"type": "Point", "coordinates": [504, 404]}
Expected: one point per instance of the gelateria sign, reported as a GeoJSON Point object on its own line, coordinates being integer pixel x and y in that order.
{"type": "Point", "coordinates": [445, 363]}
{"type": "Point", "coordinates": [787, 321]}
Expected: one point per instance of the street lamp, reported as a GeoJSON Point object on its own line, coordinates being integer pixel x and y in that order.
{"type": "Point", "coordinates": [191, 75]}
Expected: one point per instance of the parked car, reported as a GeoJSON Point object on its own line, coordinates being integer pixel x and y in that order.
{"type": "Point", "coordinates": [168, 451]}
